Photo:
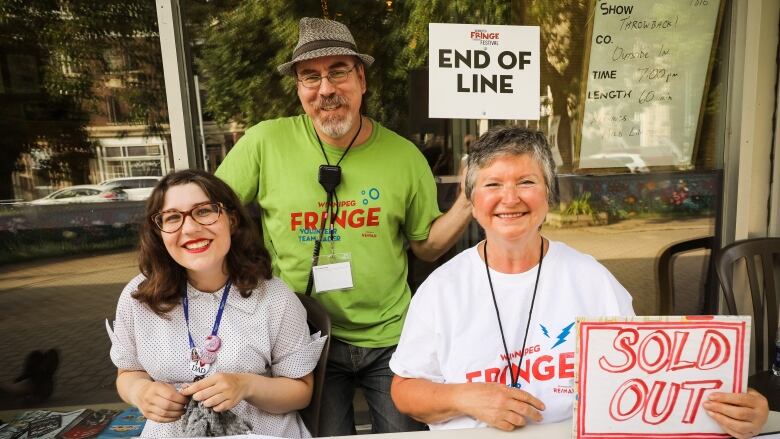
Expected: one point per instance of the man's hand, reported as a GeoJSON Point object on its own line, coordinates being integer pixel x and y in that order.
{"type": "Point", "coordinates": [221, 391]}
{"type": "Point", "coordinates": [741, 415]}
{"type": "Point", "coordinates": [503, 407]}
{"type": "Point", "coordinates": [158, 401]}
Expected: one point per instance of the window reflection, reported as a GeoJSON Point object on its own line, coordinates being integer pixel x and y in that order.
{"type": "Point", "coordinates": [82, 101]}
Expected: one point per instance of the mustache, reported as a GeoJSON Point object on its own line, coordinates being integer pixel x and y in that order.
{"type": "Point", "coordinates": [331, 101]}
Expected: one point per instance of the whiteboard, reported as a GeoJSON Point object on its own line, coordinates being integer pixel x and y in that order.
{"type": "Point", "coordinates": [647, 71]}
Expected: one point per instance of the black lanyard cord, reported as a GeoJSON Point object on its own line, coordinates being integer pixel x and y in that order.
{"type": "Point", "coordinates": [322, 148]}
{"type": "Point", "coordinates": [530, 311]}
{"type": "Point", "coordinates": [332, 210]}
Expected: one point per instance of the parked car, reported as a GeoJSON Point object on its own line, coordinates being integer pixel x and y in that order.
{"type": "Point", "coordinates": [137, 188]}
{"type": "Point", "coordinates": [85, 193]}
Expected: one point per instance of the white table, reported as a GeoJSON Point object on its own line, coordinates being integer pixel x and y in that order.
{"type": "Point", "coordinates": [544, 431]}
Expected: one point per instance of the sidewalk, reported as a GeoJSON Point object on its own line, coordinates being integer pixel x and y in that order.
{"type": "Point", "coordinates": [62, 303]}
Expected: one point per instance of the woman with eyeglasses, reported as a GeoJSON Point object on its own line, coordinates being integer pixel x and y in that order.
{"type": "Point", "coordinates": [206, 340]}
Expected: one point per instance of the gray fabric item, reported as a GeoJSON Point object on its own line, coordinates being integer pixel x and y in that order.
{"type": "Point", "coordinates": [313, 30]}
{"type": "Point", "coordinates": [201, 421]}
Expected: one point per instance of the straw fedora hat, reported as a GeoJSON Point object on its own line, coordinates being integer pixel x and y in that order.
{"type": "Point", "coordinates": [318, 38]}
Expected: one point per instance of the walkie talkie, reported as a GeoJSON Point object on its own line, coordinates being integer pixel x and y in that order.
{"type": "Point", "coordinates": [330, 177]}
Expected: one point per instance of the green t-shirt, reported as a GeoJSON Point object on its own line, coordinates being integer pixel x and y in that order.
{"type": "Point", "coordinates": [387, 192]}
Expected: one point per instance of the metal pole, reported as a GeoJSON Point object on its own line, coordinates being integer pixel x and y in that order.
{"type": "Point", "coordinates": [177, 84]}
{"type": "Point", "coordinates": [200, 124]}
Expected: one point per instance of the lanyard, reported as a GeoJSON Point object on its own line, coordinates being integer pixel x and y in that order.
{"type": "Point", "coordinates": [186, 306]}
{"type": "Point", "coordinates": [360, 127]}
{"type": "Point", "coordinates": [530, 311]}
{"type": "Point", "coordinates": [329, 203]}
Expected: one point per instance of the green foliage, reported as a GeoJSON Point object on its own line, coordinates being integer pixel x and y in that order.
{"type": "Point", "coordinates": [66, 50]}
{"type": "Point", "coordinates": [240, 51]}
{"type": "Point", "coordinates": [242, 47]}
{"type": "Point", "coordinates": [580, 205]}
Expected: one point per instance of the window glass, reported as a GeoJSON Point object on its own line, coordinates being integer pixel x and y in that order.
{"type": "Point", "coordinates": [81, 94]}
{"type": "Point", "coordinates": [80, 110]}
{"type": "Point", "coordinates": [629, 198]}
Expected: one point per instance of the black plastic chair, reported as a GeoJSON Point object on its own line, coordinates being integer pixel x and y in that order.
{"type": "Point", "coordinates": [762, 263]}
{"type": "Point", "coordinates": [665, 272]}
{"type": "Point", "coordinates": [318, 320]}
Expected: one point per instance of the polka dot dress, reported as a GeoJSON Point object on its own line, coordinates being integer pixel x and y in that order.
{"type": "Point", "coordinates": [265, 334]}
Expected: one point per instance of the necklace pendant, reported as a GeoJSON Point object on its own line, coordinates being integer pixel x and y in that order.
{"type": "Point", "coordinates": [213, 343]}
{"type": "Point", "coordinates": [208, 357]}
{"type": "Point", "coordinates": [198, 368]}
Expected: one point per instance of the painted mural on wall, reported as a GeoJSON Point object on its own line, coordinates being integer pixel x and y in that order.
{"type": "Point", "coordinates": [662, 194]}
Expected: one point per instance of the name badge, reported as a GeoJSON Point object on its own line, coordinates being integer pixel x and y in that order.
{"type": "Point", "coordinates": [199, 369]}
{"type": "Point", "coordinates": [332, 272]}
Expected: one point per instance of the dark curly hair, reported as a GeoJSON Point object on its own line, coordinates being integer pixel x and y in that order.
{"type": "Point", "coordinates": [248, 261]}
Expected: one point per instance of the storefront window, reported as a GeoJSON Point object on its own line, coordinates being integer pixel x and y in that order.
{"type": "Point", "coordinates": [89, 106]}
{"type": "Point", "coordinates": [82, 101]}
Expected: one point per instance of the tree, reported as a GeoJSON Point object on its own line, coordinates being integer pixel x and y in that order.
{"type": "Point", "coordinates": [243, 47]}
{"type": "Point", "coordinates": [69, 50]}
{"type": "Point", "coordinates": [563, 31]}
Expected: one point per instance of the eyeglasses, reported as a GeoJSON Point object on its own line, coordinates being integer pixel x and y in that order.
{"type": "Point", "coordinates": [205, 214]}
{"type": "Point", "coordinates": [336, 76]}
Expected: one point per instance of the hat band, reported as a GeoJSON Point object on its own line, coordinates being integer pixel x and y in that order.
{"type": "Point", "coordinates": [322, 44]}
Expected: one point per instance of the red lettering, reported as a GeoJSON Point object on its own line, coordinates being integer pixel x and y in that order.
{"type": "Point", "coordinates": [483, 35]}
{"type": "Point", "coordinates": [356, 222]}
{"type": "Point", "coordinates": [639, 390]}
{"type": "Point", "coordinates": [548, 372]}
{"type": "Point", "coordinates": [697, 389]}
{"type": "Point", "coordinates": [295, 220]}
{"type": "Point", "coordinates": [680, 338]}
{"type": "Point", "coordinates": [502, 378]}
{"type": "Point", "coordinates": [566, 365]}
{"type": "Point", "coordinates": [632, 397]}
{"type": "Point", "coordinates": [342, 219]}
{"type": "Point", "coordinates": [491, 374]}
{"type": "Point", "coordinates": [524, 374]}
{"type": "Point", "coordinates": [623, 341]}
{"type": "Point", "coordinates": [373, 217]}
{"type": "Point", "coordinates": [310, 220]}
{"type": "Point", "coordinates": [664, 343]}
{"type": "Point", "coordinates": [652, 415]}
{"type": "Point", "coordinates": [714, 351]}
{"type": "Point", "coordinates": [471, 375]}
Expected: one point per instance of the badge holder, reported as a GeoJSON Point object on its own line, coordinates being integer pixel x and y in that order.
{"type": "Point", "coordinates": [332, 272]}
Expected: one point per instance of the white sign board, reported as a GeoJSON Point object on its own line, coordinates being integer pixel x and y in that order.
{"type": "Point", "coordinates": [646, 77]}
{"type": "Point", "coordinates": [480, 71]}
{"type": "Point", "coordinates": [648, 376]}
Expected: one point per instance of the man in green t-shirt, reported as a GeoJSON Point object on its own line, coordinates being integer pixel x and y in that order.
{"type": "Point", "coordinates": [374, 194]}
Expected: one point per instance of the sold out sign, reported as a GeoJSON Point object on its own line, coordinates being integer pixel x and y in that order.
{"type": "Point", "coordinates": [639, 377]}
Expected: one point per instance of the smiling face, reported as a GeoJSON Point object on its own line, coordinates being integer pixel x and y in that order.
{"type": "Point", "coordinates": [510, 198]}
{"type": "Point", "coordinates": [200, 249]}
{"type": "Point", "coordinates": [334, 108]}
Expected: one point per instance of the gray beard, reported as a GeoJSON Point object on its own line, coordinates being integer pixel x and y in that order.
{"type": "Point", "coordinates": [334, 127]}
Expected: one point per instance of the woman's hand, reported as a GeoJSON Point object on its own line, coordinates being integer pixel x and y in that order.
{"type": "Point", "coordinates": [741, 415]}
{"type": "Point", "coordinates": [221, 391]}
{"type": "Point", "coordinates": [159, 402]}
{"type": "Point", "coordinates": [503, 407]}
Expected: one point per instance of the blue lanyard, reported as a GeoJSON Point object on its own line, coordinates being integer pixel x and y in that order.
{"type": "Point", "coordinates": [185, 304]}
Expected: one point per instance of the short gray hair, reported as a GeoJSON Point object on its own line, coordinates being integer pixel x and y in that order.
{"type": "Point", "coordinates": [514, 141]}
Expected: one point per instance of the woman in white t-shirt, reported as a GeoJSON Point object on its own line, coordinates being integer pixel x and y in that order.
{"type": "Point", "coordinates": [489, 336]}
{"type": "Point", "coordinates": [205, 340]}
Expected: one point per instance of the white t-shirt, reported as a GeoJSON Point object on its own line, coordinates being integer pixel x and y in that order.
{"type": "Point", "coordinates": [265, 333]}
{"type": "Point", "coordinates": [451, 333]}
